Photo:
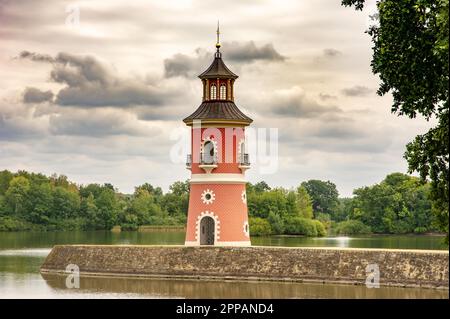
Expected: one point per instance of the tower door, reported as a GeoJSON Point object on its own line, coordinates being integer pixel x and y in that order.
{"type": "Point", "coordinates": [207, 231]}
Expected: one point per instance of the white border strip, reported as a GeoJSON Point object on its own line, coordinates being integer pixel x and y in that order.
{"type": "Point", "coordinates": [218, 178]}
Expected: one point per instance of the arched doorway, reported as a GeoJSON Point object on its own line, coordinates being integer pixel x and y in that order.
{"type": "Point", "coordinates": [207, 231]}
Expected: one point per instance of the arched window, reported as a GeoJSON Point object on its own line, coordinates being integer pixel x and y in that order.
{"type": "Point", "coordinates": [208, 153]}
{"type": "Point", "coordinates": [213, 92]}
{"type": "Point", "coordinates": [223, 92]}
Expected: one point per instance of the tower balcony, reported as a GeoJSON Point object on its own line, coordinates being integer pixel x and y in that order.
{"type": "Point", "coordinates": [244, 162]}
{"type": "Point", "coordinates": [207, 162]}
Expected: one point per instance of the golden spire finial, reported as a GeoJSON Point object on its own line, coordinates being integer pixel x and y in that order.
{"type": "Point", "coordinates": [218, 36]}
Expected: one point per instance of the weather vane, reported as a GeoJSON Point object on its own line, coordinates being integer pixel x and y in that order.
{"type": "Point", "coordinates": [218, 36]}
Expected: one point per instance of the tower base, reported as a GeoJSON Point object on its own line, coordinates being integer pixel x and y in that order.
{"type": "Point", "coordinates": [221, 243]}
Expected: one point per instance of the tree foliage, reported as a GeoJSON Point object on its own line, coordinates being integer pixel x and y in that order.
{"type": "Point", "coordinates": [286, 211]}
{"type": "Point", "coordinates": [324, 196]}
{"type": "Point", "coordinates": [399, 204]}
{"type": "Point", "coordinates": [35, 201]}
{"type": "Point", "coordinates": [410, 54]}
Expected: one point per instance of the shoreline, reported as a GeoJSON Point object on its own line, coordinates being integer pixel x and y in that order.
{"type": "Point", "coordinates": [145, 228]}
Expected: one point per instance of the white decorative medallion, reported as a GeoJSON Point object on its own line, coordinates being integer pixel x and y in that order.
{"type": "Point", "coordinates": [208, 196]}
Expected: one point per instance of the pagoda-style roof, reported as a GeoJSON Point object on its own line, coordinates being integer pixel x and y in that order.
{"type": "Point", "coordinates": [217, 69]}
{"type": "Point", "coordinates": [220, 111]}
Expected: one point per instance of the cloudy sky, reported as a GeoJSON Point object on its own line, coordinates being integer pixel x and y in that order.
{"type": "Point", "coordinates": [98, 98]}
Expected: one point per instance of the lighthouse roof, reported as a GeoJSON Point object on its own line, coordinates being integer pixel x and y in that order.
{"type": "Point", "coordinates": [220, 111]}
{"type": "Point", "coordinates": [218, 69]}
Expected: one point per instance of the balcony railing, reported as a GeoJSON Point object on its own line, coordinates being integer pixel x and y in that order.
{"type": "Point", "coordinates": [206, 159]}
{"type": "Point", "coordinates": [244, 160]}
{"type": "Point", "coordinates": [189, 161]}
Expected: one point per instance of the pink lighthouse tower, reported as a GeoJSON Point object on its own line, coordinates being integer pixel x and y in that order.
{"type": "Point", "coordinates": [218, 202]}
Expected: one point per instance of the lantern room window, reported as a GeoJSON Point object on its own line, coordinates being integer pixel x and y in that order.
{"type": "Point", "coordinates": [213, 92]}
{"type": "Point", "coordinates": [223, 92]}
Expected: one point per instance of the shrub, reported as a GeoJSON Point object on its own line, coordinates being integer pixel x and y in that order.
{"type": "Point", "coordinates": [325, 219]}
{"type": "Point", "coordinates": [300, 226]}
{"type": "Point", "coordinates": [320, 228]}
{"type": "Point", "coordinates": [259, 226]}
{"type": "Point", "coordinates": [351, 227]}
{"type": "Point", "coordinates": [276, 223]}
{"type": "Point", "coordinates": [8, 223]}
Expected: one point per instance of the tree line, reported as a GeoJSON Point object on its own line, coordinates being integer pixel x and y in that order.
{"type": "Point", "coordinates": [397, 205]}
{"type": "Point", "coordinates": [33, 201]}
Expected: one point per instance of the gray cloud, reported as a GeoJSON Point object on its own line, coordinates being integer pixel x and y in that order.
{"type": "Point", "coordinates": [325, 96]}
{"type": "Point", "coordinates": [339, 131]}
{"type": "Point", "coordinates": [293, 102]}
{"type": "Point", "coordinates": [301, 107]}
{"type": "Point", "coordinates": [241, 52]}
{"type": "Point", "coordinates": [88, 83]}
{"type": "Point", "coordinates": [357, 90]}
{"type": "Point", "coordinates": [34, 95]}
{"type": "Point", "coordinates": [95, 124]}
{"type": "Point", "coordinates": [331, 52]}
{"type": "Point", "coordinates": [334, 134]}
{"type": "Point", "coordinates": [37, 57]}
{"type": "Point", "coordinates": [18, 123]}
{"type": "Point", "coordinates": [187, 66]}
{"type": "Point", "coordinates": [249, 52]}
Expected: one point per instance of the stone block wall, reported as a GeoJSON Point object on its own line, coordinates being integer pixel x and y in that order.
{"type": "Point", "coordinates": [408, 268]}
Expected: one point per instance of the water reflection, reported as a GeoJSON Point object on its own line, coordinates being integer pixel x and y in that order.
{"type": "Point", "coordinates": [156, 288]}
{"type": "Point", "coordinates": [22, 254]}
{"type": "Point", "coordinates": [26, 252]}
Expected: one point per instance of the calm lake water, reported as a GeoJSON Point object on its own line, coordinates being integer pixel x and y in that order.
{"type": "Point", "coordinates": [22, 253]}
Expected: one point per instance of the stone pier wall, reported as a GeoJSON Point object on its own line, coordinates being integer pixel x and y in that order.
{"type": "Point", "coordinates": [408, 268]}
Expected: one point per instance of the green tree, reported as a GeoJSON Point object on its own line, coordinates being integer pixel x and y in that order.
{"type": "Point", "coordinates": [324, 196]}
{"type": "Point", "coordinates": [259, 226]}
{"type": "Point", "coordinates": [351, 227]}
{"type": "Point", "coordinates": [304, 226]}
{"type": "Point", "coordinates": [107, 209]}
{"type": "Point", "coordinates": [175, 203]}
{"type": "Point", "coordinates": [180, 188]}
{"type": "Point", "coordinates": [261, 204]}
{"type": "Point", "coordinates": [143, 207]}
{"type": "Point", "coordinates": [304, 203]}
{"type": "Point", "coordinates": [66, 204]}
{"type": "Point", "coordinates": [261, 187]}
{"type": "Point", "coordinates": [59, 181]}
{"type": "Point", "coordinates": [5, 178]}
{"type": "Point", "coordinates": [399, 204]}
{"type": "Point", "coordinates": [93, 189]}
{"type": "Point", "coordinates": [16, 195]}
{"type": "Point", "coordinates": [155, 191]}
{"type": "Point", "coordinates": [39, 203]}
{"type": "Point", "coordinates": [89, 211]}
{"type": "Point", "coordinates": [346, 206]}
{"type": "Point", "coordinates": [276, 223]}
{"type": "Point", "coordinates": [410, 54]}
